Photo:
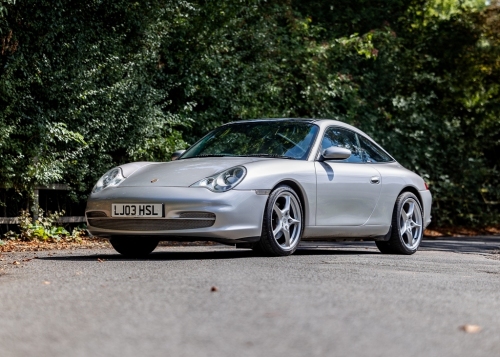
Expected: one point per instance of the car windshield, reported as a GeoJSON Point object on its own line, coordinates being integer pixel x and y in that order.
{"type": "Point", "coordinates": [284, 139]}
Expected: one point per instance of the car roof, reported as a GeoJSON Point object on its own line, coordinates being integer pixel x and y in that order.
{"type": "Point", "coordinates": [320, 122]}
{"type": "Point", "coordinates": [305, 120]}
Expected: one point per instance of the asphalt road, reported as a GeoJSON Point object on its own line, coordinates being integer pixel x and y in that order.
{"type": "Point", "coordinates": [327, 300]}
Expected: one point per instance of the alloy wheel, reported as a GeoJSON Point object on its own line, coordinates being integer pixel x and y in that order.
{"type": "Point", "coordinates": [286, 221]}
{"type": "Point", "coordinates": [410, 223]}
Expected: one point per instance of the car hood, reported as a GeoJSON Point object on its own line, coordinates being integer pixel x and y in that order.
{"type": "Point", "coordinates": [181, 173]}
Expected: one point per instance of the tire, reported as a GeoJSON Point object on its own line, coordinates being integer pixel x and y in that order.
{"type": "Point", "coordinates": [407, 227]}
{"type": "Point", "coordinates": [134, 246]}
{"type": "Point", "coordinates": [282, 225]}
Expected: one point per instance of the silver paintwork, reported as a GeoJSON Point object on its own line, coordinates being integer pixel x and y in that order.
{"type": "Point", "coordinates": [235, 210]}
{"type": "Point", "coordinates": [339, 200]}
{"type": "Point", "coordinates": [349, 186]}
{"type": "Point", "coordinates": [335, 152]}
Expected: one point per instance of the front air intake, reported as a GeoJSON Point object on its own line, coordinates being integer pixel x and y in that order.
{"type": "Point", "coordinates": [150, 225]}
{"type": "Point", "coordinates": [207, 215]}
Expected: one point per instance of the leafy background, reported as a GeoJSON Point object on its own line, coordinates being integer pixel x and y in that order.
{"type": "Point", "coordinates": [86, 85]}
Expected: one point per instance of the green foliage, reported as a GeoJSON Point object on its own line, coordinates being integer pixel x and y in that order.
{"type": "Point", "coordinates": [3, 6]}
{"type": "Point", "coordinates": [77, 89]}
{"type": "Point", "coordinates": [419, 76]}
{"type": "Point", "coordinates": [44, 228]}
{"type": "Point", "coordinates": [447, 8]}
{"type": "Point", "coordinates": [87, 85]}
{"type": "Point", "coordinates": [445, 109]}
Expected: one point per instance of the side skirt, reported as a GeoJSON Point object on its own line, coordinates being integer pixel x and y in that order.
{"type": "Point", "coordinates": [346, 233]}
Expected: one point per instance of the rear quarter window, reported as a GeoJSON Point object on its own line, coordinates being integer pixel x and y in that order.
{"type": "Point", "coordinates": [371, 151]}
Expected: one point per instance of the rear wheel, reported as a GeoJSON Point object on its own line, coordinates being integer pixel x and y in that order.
{"type": "Point", "coordinates": [407, 226]}
{"type": "Point", "coordinates": [133, 246]}
{"type": "Point", "coordinates": [282, 227]}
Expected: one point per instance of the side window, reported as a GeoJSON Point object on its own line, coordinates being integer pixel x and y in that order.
{"type": "Point", "coordinates": [372, 152]}
{"type": "Point", "coordinates": [345, 139]}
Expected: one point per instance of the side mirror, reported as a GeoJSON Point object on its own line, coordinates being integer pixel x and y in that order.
{"type": "Point", "coordinates": [335, 153]}
{"type": "Point", "coordinates": [177, 154]}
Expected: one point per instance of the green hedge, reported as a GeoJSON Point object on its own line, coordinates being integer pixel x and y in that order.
{"type": "Point", "coordinates": [86, 85]}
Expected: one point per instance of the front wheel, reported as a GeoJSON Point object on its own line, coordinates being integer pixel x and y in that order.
{"type": "Point", "coordinates": [407, 226]}
{"type": "Point", "coordinates": [133, 246]}
{"type": "Point", "coordinates": [282, 227]}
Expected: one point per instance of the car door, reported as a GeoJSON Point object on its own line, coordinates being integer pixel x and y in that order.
{"type": "Point", "coordinates": [392, 182]}
{"type": "Point", "coordinates": [347, 190]}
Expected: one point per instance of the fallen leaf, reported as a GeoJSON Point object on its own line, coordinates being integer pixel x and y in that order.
{"type": "Point", "coordinates": [100, 260]}
{"type": "Point", "coordinates": [214, 288]}
{"type": "Point", "coordinates": [16, 263]}
{"type": "Point", "coordinates": [471, 328]}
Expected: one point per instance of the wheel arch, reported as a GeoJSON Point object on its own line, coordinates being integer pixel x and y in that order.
{"type": "Point", "coordinates": [302, 197]}
{"type": "Point", "coordinates": [415, 192]}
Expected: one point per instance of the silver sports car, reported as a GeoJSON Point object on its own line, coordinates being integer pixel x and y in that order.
{"type": "Point", "coordinates": [265, 184]}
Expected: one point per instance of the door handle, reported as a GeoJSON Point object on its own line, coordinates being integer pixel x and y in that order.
{"type": "Point", "coordinates": [375, 180]}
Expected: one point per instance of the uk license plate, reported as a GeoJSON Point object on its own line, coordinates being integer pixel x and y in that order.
{"type": "Point", "coordinates": [145, 210]}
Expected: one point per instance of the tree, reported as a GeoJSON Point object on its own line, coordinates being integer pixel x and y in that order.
{"type": "Point", "coordinates": [85, 86]}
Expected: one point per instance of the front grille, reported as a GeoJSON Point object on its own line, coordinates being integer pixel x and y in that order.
{"type": "Point", "coordinates": [207, 215]}
{"type": "Point", "coordinates": [150, 224]}
{"type": "Point", "coordinates": [96, 214]}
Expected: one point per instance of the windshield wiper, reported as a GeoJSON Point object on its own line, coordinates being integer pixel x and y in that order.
{"type": "Point", "coordinates": [249, 155]}
{"type": "Point", "coordinates": [272, 155]}
{"type": "Point", "coordinates": [208, 155]}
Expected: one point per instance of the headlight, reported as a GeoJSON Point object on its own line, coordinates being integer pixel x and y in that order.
{"type": "Point", "coordinates": [223, 181]}
{"type": "Point", "coordinates": [111, 178]}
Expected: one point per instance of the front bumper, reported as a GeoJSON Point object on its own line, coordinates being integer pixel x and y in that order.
{"type": "Point", "coordinates": [238, 213]}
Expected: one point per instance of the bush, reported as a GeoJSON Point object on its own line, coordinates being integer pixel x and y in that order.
{"type": "Point", "coordinates": [87, 85]}
{"type": "Point", "coordinates": [44, 228]}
